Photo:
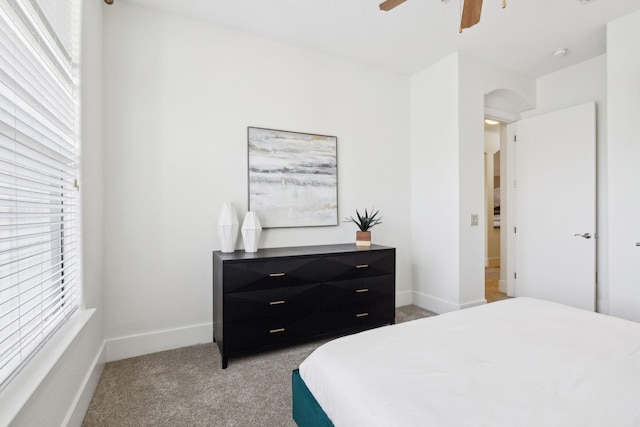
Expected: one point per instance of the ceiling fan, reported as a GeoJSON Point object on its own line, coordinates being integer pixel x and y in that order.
{"type": "Point", "coordinates": [470, 11]}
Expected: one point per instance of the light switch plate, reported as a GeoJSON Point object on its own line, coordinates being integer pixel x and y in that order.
{"type": "Point", "coordinates": [474, 219]}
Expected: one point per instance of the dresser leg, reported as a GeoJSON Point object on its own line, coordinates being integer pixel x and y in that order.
{"type": "Point", "coordinates": [225, 361]}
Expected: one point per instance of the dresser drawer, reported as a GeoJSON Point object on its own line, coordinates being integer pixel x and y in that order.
{"type": "Point", "coordinates": [270, 302]}
{"type": "Point", "coordinates": [268, 332]}
{"type": "Point", "coordinates": [359, 290]}
{"type": "Point", "coordinates": [361, 315]}
{"type": "Point", "coordinates": [358, 265]}
{"type": "Point", "coordinates": [271, 273]}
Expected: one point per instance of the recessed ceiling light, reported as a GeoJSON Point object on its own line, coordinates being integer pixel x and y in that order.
{"type": "Point", "coordinates": [491, 122]}
{"type": "Point", "coordinates": [560, 52]}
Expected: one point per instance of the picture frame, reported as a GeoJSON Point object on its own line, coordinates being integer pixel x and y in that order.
{"type": "Point", "coordinates": [293, 178]}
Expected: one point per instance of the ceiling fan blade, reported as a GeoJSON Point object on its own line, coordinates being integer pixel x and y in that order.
{"type": "Point", "coordinates": [390, 4]}
{"type": "Point", "coordinates": [470, 13]}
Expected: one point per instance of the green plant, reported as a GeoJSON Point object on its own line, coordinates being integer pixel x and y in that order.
{"type": "Point", "coordinates": [366, 221]}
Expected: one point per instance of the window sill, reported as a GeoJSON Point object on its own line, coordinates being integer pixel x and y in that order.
{"type": "Point", "coordinates": [17, 391]}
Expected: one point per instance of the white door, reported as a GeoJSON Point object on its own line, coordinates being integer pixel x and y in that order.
{"type": "Point", "coordinates": [555, 207]}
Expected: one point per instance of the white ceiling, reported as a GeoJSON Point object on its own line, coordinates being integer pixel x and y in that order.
{"type": "Point", "coordinates": [418, 33]}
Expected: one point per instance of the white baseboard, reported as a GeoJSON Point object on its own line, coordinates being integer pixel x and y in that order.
{"type": "Point", "coordinates": [473, 303]}
{"type": "Point", "coordinates": [153, 342]}
{"type": "Point", "coordinates": [434, 304]}
{"type": "Point", "coordinates": [80, 405]}
{"type": "Point", "coordinates": [440, 306]}
{"type": "Point", "coordinates": [602, 305]}
{"type": "Point", "coordinates": [404, 298]}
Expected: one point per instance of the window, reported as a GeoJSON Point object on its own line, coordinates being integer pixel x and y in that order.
{"type": "Point", "coordinates": [39, 204]}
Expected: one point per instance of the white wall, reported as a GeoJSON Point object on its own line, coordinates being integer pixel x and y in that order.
{"type": "Point", "coordinates": [435, 186]}
{"type": "Point", "coordinates": [623, 90]}
{"type": "Point", "coordinates": [572, 86]}
{"type": "Point", "coordinates": [447, 143]}
{"type": "Point", "coordinates": [179, 95]}
{"type": "Point", "coordinates": [473, 87]}
{"type": "Point", "coordinates": [67, 369]}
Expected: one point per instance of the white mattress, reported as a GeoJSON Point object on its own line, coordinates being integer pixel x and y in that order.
{"type": "Point", "coordinates": [518, 362]}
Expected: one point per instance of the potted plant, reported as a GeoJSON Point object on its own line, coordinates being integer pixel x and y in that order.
{"type": "Point", "coordinates": [365, 223]}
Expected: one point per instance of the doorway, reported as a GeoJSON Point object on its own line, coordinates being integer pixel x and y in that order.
{"type": "Point", "coordinates": [503, 106]}
{"type": "Point", "coordinates": [492, 162]}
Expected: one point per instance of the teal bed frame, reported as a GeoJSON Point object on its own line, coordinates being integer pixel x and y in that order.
{"type": "Point", "coordinates": [306, 409]}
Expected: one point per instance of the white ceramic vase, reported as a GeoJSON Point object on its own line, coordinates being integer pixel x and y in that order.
{"type": "Point", "coordinates": [251, 230]}
{"type": "Point", "coordinates": [228, 227]}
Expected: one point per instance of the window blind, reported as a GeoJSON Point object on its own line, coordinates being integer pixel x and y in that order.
{"type": "Point", "coordinates": [39, 212]}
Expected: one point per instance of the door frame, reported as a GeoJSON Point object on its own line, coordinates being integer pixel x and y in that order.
{"type": "Point", "coordinates": [507, 204]}
{"type": "Point", "coordinates": [507, 208]}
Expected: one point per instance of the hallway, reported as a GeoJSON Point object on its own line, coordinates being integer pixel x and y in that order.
{"type": "Point", "coordinates": [491, 281]}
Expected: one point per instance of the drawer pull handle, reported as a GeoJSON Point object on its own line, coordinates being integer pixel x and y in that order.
{"type": "Point", "coordinates": [276, 302]}
{"type": "Point", "coordinates": [275, 331]}
{"type": "Point", "coordinates": [362, 266]}
{"type": "Point", "coordinates": [276, 274]}
{"type": "Point", "coordinates": [362, 314]}
{"type": "Point", "coordinates": [360, 291]}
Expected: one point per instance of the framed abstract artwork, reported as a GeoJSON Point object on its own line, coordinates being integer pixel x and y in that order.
{"type": "Point", "coordinates": [293, 178]}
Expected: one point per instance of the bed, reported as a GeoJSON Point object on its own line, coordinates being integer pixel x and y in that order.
{"type": "Point", "coordinates": [517, 362]}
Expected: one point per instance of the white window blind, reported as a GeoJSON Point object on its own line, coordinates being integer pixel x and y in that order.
{"type": "Point", "coordinates": [39, 212]}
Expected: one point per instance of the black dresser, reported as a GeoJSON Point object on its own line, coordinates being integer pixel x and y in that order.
{"type": "Point", "coordinates": [281, 296]}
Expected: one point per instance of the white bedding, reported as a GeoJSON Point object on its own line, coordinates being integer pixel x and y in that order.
{"type": "Point", "coordinates": [518, 362]}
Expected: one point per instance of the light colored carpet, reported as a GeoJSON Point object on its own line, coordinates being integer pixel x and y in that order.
{"type": "Point", "coordinates": [188, 387]}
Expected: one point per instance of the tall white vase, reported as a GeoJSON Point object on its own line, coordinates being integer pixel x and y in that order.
{"type": "Point", "coordinates": [228, 227]}
{"type": "Point", "coordinates": [251, 230]}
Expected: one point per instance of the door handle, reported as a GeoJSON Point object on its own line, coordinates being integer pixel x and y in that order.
{"type": "Point", "coordinates": [637, 243]}
{"type": "Point", "coordinates": [585, 235]}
